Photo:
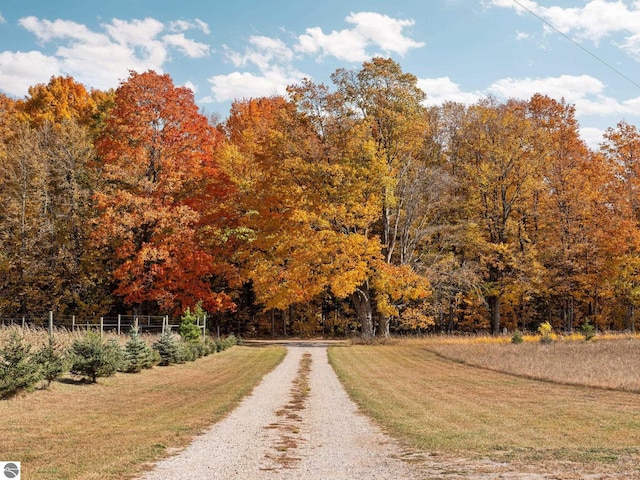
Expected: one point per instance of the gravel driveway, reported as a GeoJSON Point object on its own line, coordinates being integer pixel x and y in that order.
{"type": "Point", "coordinates": [299, 423]}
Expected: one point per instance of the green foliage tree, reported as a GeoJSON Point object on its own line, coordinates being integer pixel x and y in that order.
{"type": "Point", "coordinates": [92, 357]}
{"type": "Point", "coordinates": [138, 355]}
{"type": "Point", "coordinates": [588, 330]}
{"type": "Point", "coordinates": [169, 349]}
{"type": "Point", "coordinates": [188, 330]}
{"type": "Point", "coordinates": [53, 361]}
{"type": "Point", "coordinates": [19, 367]}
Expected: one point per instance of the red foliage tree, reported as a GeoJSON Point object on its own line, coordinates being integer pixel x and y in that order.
{"type": "Point", "coordinates": [163, 206]}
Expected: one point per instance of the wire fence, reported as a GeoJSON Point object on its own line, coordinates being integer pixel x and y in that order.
{"type": "Point", "coordinates": [121, 324]}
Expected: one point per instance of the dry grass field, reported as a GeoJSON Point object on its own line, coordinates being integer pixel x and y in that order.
{"type": "Point", "coordinates": [110, 429]}
{"type": "Point", "coordinates": [449, 409]}
{"type": "Point", "coordinates": [610, 362]}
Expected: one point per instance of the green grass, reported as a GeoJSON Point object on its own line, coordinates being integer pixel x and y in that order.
{"type": "Point", "coordinates": [444, 407]}
{"type": "Point", "coordinates": [114, 429]}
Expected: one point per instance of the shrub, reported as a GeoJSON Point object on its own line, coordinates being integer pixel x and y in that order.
{"type": "Point", "coordinates": [517, 337]}
{"type": "Point", "coordinates": [138, 355]}
{"type": "Point", "coordinates": [223, 344]}
{"type": "Point", "coordinates": [53, 361]}
{"type": "Point", "coordinates": [169, 348]}
{"type": "Point", "coordinates": [92, 357]}
{"type": "Point", "coordinates": [546, 332]}
{"type": "Point", "coordinates": [197, 348]}
{"type": "Point", "coordinates": [210, 345]}
{"type": "Point", "coordinates": [19, 368]}
{"type": "Point", "coordinates": [588, 331]}
{"type": "Point", "coordinates": [188, 329]}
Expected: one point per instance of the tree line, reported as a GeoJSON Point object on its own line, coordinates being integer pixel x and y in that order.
{"type": "Point", "coordinates": [330, 209]}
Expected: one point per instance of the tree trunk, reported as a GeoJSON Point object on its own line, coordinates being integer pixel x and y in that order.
{"type": "Point", "coordinates": [494, 307]}
{"type": "Point", "coordinates": [451, 320]}
{"type": "Point", "coordinates": [384, 326]}
{"type": "Point", "coordinates": [361, 300]}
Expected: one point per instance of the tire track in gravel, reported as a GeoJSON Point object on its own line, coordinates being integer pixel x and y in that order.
{"type": "Point", "coordinates": [299, 423]}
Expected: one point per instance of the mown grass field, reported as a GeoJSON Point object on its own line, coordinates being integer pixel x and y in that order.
{"type": "Point", "coordinates": [111, 429]}
{"type": "Point", "coordinates": [444, 407]}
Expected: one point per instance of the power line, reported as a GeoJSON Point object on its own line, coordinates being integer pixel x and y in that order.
{"type": "Point", "coordinates": [548, 24]}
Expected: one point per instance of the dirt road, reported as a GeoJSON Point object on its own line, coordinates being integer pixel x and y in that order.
{"type": "Point", "coordinates": [299, 423]}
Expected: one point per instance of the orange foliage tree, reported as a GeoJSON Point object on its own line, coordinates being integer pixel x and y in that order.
{"type": "Point", "coordinates": [321, 193]}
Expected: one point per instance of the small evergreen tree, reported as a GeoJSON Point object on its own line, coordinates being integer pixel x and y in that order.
{"type": "Point", "coordinates": [188, 329]}
{"type": "Point", "coordinates": [19, 368]}
{"type": "Point", "coordinates": [92, 357]}
{"type": "Point", "coordinates": [168, 347]}
{"type": "Point", "coordinates": [138, 355]}
{"type": "Point", "coordinates": [588, 330]}
{"type": "Point", "coordinates": [53, 361]}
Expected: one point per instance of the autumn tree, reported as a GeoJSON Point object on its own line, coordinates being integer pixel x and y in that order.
{"type": "Point", "coordinates": [276, 158]}
{"type": "Point", "coordinates": [48, 183]}
{"type": "Point", "coordinates": [23, 178]}
{"type": "Point", "coordinates": [501, 169]}
{"type": "Point", "coordinates": [446, 251]}
{"type": "Point", "coordinates": [388, 105]}
{"type": "Point", "coordinates": [621, 146]}
{"type": "Point", "coordinates": [162, 211]}
{"type": "Point", "coordinates": [64, 99]}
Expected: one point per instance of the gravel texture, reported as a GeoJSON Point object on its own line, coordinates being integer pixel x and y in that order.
{"type": "Point", "coordinates": [296, 425]}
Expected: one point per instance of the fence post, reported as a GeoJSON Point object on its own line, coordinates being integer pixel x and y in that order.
{"type": "Point", "coordinates": [101, 326]}
{"type": "Point", "coordinates": [118, 324]}
{"type": "Point", "coordinates": [73, 323]}
{"type": "Point", "coordinates": [204, 325]}
{"type": "Point", "coordinates": [50, 324]}
{"type": "Point", "coordinates": [23, 321]}
{"type": "Point", "coordinates": [135, 325]}
{"type": "Point", "coordinates": [164, 321]}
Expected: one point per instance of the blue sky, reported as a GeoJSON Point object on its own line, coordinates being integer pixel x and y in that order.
{"type": "Point", "coordinates": [460, 50]}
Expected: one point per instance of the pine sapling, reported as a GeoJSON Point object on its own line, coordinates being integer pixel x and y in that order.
{"type": "Point", "coordinates": [137, 353]}
{"type": "Point", "coordinates": [53, 361]}
{"type": "Point", "coordinates": [19, 368]}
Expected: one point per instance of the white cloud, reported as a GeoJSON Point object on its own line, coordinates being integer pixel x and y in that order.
{"type": "Point", "coordinates": [267, 63]}
{"type": "Point", "coordinates": [347, 45]}
{"type": "Point", "coordinates": [46, 30]}
{"type": "Point", "coordinates": [190, 85]}
{"type": "Point", "coordinates": [587, 93]}
{"type": "Point", "coordinates": [15, 67]}
{"type": "Point", "coordinates": [202, 26]}
{"type": "Point", "coordinates": [243, 85]}
{"type": "Point", "coordinates": [569, 87]}
{"type": "Point", "coordinates": [441, 90]}
{"type": "Point", "coordinates": [181, 26]}
{"type": "Point", "coordinates": [2, 19]}
{"type": "Point", "coordinates": [101, 58]}
{"type": "Point", "coordinates": [594, 21]}
{"type": "Point", "coordinates": [592, 136]}
{"type": "Point", "coordinates": [371, 30]}
{"type": "Point", "coordinates": [262, 52]}
{"type": "Point", "coordinates": [384, 32]}
{"type": "Point", "coordinates": [190, 48]}
{"type": "Point", "coordinates": [272, 62]}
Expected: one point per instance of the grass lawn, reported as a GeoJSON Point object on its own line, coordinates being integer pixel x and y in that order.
{"type": "Point", "coordinates": [448, 408]}
{"type": "Point", "coordinates": [114, 429]}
